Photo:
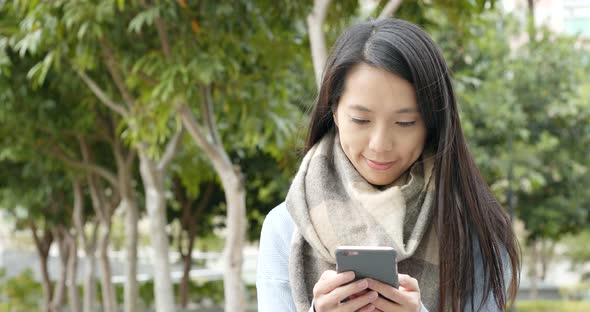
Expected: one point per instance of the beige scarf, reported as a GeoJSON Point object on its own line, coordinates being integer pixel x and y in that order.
{"type": "Point", "coordinates": [331, 205]}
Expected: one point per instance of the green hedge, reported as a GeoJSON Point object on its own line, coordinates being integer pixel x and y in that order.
{"type": "Point", "coordinates": [552, 306]}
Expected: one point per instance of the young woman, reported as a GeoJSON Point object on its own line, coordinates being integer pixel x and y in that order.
{"type": "Point", "coordinates": [387, 164]}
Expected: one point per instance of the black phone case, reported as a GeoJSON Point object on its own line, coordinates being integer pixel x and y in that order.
{"type": "Point", "coordinates": [378, 264]}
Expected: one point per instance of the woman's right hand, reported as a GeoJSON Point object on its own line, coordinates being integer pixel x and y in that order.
{"type": "Point", "coordinates": [333, 287]}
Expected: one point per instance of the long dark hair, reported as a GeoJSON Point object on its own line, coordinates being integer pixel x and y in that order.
{"type": "Point", "coordinates": [465, 208]}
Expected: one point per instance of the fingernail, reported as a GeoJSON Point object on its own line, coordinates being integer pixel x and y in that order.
{"type": "Point", "coordinates": [349, 274]}
{"type": "Point", "coordinates": [373, 295]}
{"type": "Point", "coordinates": [363, 284]}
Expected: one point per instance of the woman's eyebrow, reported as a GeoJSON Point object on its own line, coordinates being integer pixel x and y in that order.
{"type": "Point", "coordinates": [360, 108]}
{"type": "Point", "coordinates": [405, 110]}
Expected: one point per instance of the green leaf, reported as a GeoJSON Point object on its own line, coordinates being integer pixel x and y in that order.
{"type": "Point", "coordinates": [38, 72]}
{"type": "Point", "coordinates": [143, 19]}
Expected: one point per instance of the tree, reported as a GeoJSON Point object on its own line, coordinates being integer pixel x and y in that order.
{"type": "Point", "coordinates": [91, 51]}
{"type": "Point", "coordinates": [523, 111]}
{"type": "Point", "coordinates": [459, 13]}
{"type": "Point", "coordinates": [193, 217]}
{"type": "Point", "coordinates": [44, 212]}
{"type": "Point", "coordinates": [219, 68]}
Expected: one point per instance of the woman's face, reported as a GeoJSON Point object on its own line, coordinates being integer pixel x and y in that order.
{"type": "Point", "coordinates": [379, 124]}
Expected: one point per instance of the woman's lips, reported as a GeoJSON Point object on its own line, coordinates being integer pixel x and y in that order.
{"type": "Point", "coordinates": [379, 165]}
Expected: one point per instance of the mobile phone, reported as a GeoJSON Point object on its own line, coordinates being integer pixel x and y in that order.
{"type": "Point", "coordinates": [374, 262]}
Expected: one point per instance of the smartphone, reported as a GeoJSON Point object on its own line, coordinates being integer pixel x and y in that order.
{"type": "Point", "coordinates": [373, 262]}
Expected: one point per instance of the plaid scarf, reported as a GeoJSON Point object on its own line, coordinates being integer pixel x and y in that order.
{"type": "Point", "coordinates": [332, 205]}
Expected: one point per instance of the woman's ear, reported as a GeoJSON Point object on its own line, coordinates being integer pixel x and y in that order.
{"type": "Point", "coordinates": [335, 117]}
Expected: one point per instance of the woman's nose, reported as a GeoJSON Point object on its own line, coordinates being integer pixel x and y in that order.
{"type": "Point", "coordinates": [381, 140]}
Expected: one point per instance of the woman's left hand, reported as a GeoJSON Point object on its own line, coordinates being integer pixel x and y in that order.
{"type": "Point", "coordinates": [406, 298]}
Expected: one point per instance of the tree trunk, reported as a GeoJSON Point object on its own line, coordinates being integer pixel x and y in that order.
{"type": "Point", "coordinates": [531, 21]}
{"type": "Point", "coordinates": [131, 237]}
{"type": "Point", "coordinates": [42, 245]}
{"type": "Point", "coordinates": [58, 299]}
{"type": "Point", "coordinates": [90, 271]}
{"type": "Point", "coordinates": [156, 208]}
{"type": "Point", "coordinates": [129, 203]}
{"type": "Point", "coordinates": [390, 8]}
{"type": "Point", "coordinates": [46, 283]}
{"type": "Point", "coordinates": [534, 272]}
{"type": "Point", "coordinates": [73, 294]}
{"type": "Point", "coordinates": [89, 246]}
{"type": "Point", "coordinates": [188, 262]}
{"type": "Point", "coordinates": [547, 254]}
{"type": "Point", "coordinates": [189, 225]}
{"type": "Point", "coordinates": [315, 23]}
{"type": "Point", "coordinates": [108, 292]}
{"type": "Point", "coordinates": [90, 280]}
{"type": "Point", "coordinates": [235, 197]}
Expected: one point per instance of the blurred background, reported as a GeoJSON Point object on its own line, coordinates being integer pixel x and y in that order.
{"type": "Point", "coordinates": [142, 142]}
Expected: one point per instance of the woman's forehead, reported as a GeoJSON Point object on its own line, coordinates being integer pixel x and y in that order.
{"type": "Point", "coordinates": [371, 89]}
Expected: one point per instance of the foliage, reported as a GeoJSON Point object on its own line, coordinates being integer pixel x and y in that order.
{"type": "Point", "coordinates": [534, 121]}
{"type": "Point", "coordinates": [209, 292]}
{"type": "Point", "coordinates": [577, 251]}
{"type": "Point", "coordinates": [579, 291]}
{"type": "Point", "coordinates": [20, 293]}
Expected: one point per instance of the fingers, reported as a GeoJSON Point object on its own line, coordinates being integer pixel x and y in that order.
{"type": "Point", "coordinates": [382, 304]}
{"type": "Point", "coordinates": [365, 302]}
{"type": "Point", "coordinates": [408, 283]}
{"type": "Point", "coordinates": [385, 290]}
{"type": "Point", "coordinates": [404, 297]}
{"type": "Point", "coordinates": [330, 280]}
{"type": "Point", "coordinates": [358, 294]}
{"type": "Point", "coordinates": [354, 291]}
{"type": "Point", "coordinates": [368, 308]}
{"type": "Point", "coordinates": [350, 291]}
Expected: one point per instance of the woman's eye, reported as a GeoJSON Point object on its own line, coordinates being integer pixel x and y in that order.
{"type": "Point", "coordinates": [359, 121]}
{"type": "Point", "coordinates": [406, 123]}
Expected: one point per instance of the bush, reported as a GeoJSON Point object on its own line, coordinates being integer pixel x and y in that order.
{"type": "Point", "coordinates": [20, 293]}
{"type": "Point", "coordinates": [552, 306]}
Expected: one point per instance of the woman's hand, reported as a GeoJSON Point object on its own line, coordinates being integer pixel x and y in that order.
{"type": "Point", "coordinates": [406, 298]}
{"type": "Point", "coordinates": [333, 287]}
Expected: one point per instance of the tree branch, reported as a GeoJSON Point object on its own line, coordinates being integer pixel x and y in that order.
{"type": "Point", "coordinates": [130, 158]}
{"type": "Point", "coordinates": [315, 21]}
{"type": "Point", "coordinates": [94, 235]}
{"type": "Point", "coordinates": [97, 202]}
{"type": "Point", "coordinates": [163, 35]}
{"type": "Point", "coordinates": [147, 78]}
{"type": "Point", "coordinates": [36, 238]}
{"type": "Point", "coordinates": [96, 169]}
{"type": "Point", "coordinates": [196, 132]}
{"type": "Point", "coordinates": [171, 149]}
{"type": "Point", "coordinates": [113, 68]}
{"type": "Point", "coordinates": [206, 198]}
{"type": "Point", "coordinates": [105, 126]}
{"type": "Point", "coordinates": [209, 116]}
{"type": "Point", "coordinates": [88, 160]}
{"type": "Point", "coordinates": [102, 95]}
{"type": "Point", "coordinates": [43, 243]}
{"type": "Point", "coordinates": [77, 215]}
{"type": "Point", "coordinates": [390, 9]}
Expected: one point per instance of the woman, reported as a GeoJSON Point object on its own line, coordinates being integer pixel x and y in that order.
{"type": "Point", "coordinates": [387, 164]}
